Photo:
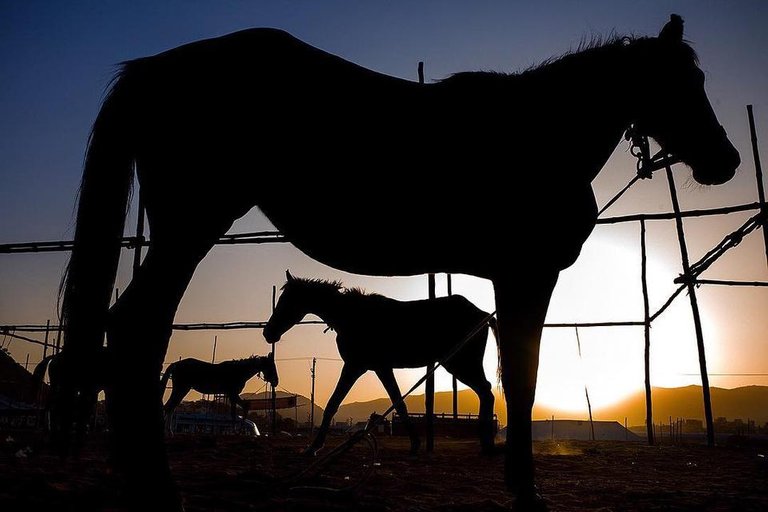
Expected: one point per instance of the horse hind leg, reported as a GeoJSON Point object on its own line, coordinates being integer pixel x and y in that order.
{"type": "Point", "coordinates": [235, 400]}
{"type": "Point", "coordinates": [177, 395]}
{"type": "Point", "coordinates": [387, 378]}
{"type": "Point", "coordinates": [138, 335]}
{"type": "Point", "coordinates": [468, 368]}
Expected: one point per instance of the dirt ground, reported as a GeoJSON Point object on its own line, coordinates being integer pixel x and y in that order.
{"type": "Point", "coordinates": [262, 474]}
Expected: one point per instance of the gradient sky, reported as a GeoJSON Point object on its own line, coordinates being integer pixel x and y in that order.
{"type": "Point", "coordinates": [57, 57]}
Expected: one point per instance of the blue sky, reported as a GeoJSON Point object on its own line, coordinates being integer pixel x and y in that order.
{"type": "Point", "coordinates": [57, 57]}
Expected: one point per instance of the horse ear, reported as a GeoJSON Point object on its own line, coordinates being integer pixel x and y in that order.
{"type": "Point", "coordinates": [673, 30]}
{"type": "Point", "coordinates": [288, 276]}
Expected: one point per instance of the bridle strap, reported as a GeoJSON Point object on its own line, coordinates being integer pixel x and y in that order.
{"type": "Point", "coordinates": [640, 148]}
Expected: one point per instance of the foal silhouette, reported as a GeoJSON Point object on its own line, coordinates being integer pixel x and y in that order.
{"type": "Point", "coordinates": [258, 118]}
{"type": "Point", "coordinates": [377, 333]}
{"type": "Point", "coordinates": [225, 378]}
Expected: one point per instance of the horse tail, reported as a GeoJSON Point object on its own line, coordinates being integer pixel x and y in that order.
{"type": "Point", "coordinates": [104, 198]}
{"type": "Point", "coordinates": [38, 374]}
{"type": "Point", "coordinates": [494, 325]}
{"type": "Point", "coordinates": [166, 376]}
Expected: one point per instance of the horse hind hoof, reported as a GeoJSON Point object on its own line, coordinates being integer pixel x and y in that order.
{"type": "Point", "coordinates": [530, 502]}
{"type": "Point", "coordinates": [489, 451]}
{"type": "Point", "coordinates": [311, 451]}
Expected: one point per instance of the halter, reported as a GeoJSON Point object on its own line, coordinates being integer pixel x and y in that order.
{"type": "Point", "coordinates": [640, 148]}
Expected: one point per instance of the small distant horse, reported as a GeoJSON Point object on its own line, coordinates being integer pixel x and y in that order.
{"type": "Point", "coordinates": [377, 333]}
{"type": "Point", "coordinates": [259, 118]}
{"type": "Point", "coordinates": [226, 378]}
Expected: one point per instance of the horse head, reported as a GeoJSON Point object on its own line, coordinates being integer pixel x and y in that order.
{"type": "Point", "coordinates": [289, 310]}
{"type": "Point", "coordinates": [673, 108]}
{"type": "Point", "coordinates": [269, 370]}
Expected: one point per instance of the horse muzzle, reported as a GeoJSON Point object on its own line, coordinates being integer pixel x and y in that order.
{"type": "Point", "coordinates": [716, 166]}
{"type": "Point", "coordinates": [271, 337]}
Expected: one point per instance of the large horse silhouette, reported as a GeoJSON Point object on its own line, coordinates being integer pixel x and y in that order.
{"type": "Point", "coordinates": [377, 333]}
{"type": "Point", "coordinates": [354, 167]}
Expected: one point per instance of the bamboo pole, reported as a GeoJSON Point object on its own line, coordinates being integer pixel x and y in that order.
{"type": "Point", "coordinates": [45, 343]}
{"type": "Point", "coordinates": [139, 235]}
{"type": "Point", "coordinates": [708, 212]}
{"type": "Point", "coordinates": [429, 404]}
{"type": "Point", "coordinates": [694, 309]}
{"type": "Point", "coordinates": [647, 332]}
{"type": "Point", "coordinates": [758, 177]}
{"type": "Point", "coordinates": [429, 399]}
{"type": "Point", "coordinates": [723, 282]}
{"type": "Point", "coordinates": [454, 380]}
{"type": "Point", "coordinates": [586, 390]}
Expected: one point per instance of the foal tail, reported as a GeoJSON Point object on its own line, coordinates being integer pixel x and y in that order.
{"type": "Point", "coordinates": [104, 198]}
{"type": "Point", "coordinates": [166, 376]}
{"type": "Point", "coordinates": [494, 325]}
{"type": "Point", "coordinates": [39, 373]}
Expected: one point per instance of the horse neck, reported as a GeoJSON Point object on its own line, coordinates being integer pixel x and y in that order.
{"type": "Point", "coordinates": [595, 107]}
{"type": "Point", "coordinates": [253, 366]}
{"type": "Point", "coordinates": [328, 306]}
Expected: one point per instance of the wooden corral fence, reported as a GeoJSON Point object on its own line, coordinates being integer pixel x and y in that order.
{"type": "Point", "coordinates": [688, 281]}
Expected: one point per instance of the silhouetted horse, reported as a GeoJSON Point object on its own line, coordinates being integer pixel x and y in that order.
{"type": "Point", "coordinates": [62, 421]}
{"type": "Point", "coordinates": [225, 378]}
{"type": "Point", "coordinates": [259, 118]}
{"type": "Point", "coordinates": [377, 333]}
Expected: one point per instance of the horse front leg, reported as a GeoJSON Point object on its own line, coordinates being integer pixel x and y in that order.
{"type": "Point", "coordinates": [348, 377]}
{"type": "Point", "coordinates": [521, 308]}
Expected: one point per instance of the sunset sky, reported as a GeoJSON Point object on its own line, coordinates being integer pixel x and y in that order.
{"type": "Point", "coordinates": [57, 58]}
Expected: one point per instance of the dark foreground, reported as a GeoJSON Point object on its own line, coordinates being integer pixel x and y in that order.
{"type": "Point", "coordinates": [244, 474]}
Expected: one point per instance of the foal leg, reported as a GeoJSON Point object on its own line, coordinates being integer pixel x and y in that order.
{"type": "Point", "coordinates": [387, 378]}
{"type": "Point", "coordinates": [470, 371]}
{"type": "Point", "coordinates": [522, 306]}
{"type": "Point", "coordinates": [235, 400]}
{"type": "Point", "coordinates": [348, 377]}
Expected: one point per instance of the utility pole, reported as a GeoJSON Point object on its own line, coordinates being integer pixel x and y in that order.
{"type": "Point", "coordinates": [312, 399]}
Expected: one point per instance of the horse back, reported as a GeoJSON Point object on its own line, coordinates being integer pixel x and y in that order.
{"type": "Point", "coordinates": [411, 334]}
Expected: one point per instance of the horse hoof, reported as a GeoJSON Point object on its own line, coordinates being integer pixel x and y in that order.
{"type": "Point", "coordinates": [530, 501]}
{"type": "Point", "coordinates": [311, 450]}
{"type": "Point", "coordinates": [489, 451]}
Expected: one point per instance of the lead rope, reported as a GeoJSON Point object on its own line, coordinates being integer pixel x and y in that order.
{"type": "Point", "coordinates": [646, 164]}
{"type": "Point", "coordinates": [373, 422]}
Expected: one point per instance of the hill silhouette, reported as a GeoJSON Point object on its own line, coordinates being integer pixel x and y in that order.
{"type": "Point", "coordinates": [684, 402]}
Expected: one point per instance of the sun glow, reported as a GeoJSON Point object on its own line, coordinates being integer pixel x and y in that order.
{"type": "Point", "coordinates": [604, 285]}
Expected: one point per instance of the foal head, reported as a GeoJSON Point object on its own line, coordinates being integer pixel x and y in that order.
{"type": "Point", "coordinates": [297, 299]}
{"type": "Point", "coordinates": [269, 370]}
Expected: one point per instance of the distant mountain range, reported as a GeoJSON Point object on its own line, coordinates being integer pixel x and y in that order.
{"type": "Point", "coordinates": [749, 402]}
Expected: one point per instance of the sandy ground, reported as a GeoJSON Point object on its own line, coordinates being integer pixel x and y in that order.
{"type": "Point", "coordinates": [260, 474]}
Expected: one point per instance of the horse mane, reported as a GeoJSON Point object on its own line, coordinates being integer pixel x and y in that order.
{"type": "Point", "coordinates": [326, 285]}
{"type": "Point", "coordinates": [249, 358]}
{"type": "Point", "coordinates": [315, 284]}
{"type": "Point", "coordinates": [357, 291]}
{"type": "Point", "coordinates": [595, 44]}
